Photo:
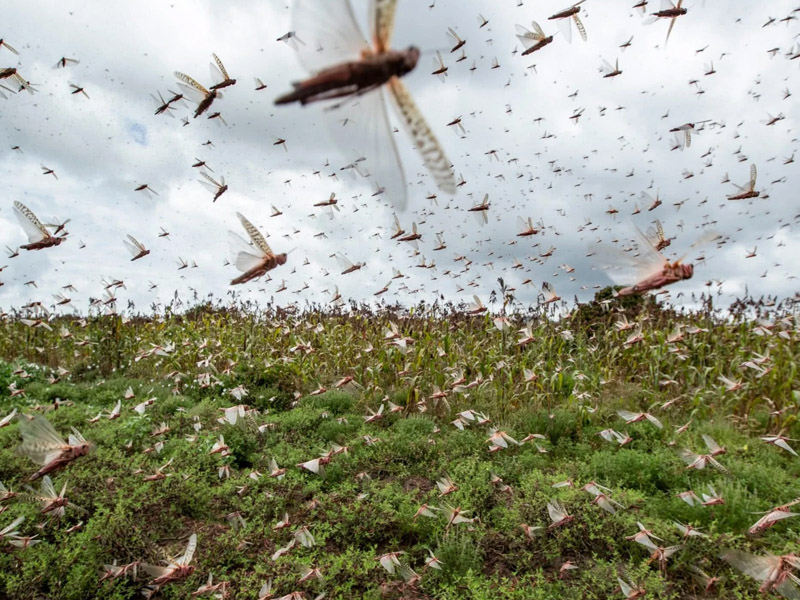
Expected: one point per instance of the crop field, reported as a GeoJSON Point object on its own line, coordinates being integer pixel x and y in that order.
{"type": "Point", "coordinates": [413, 454]}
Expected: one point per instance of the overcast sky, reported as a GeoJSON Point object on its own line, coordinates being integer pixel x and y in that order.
{"type": "Point", "coordinates": [572, 176]}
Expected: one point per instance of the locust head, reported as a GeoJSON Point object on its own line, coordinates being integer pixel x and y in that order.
{"type": "Point", "coordinates": [411, 56]}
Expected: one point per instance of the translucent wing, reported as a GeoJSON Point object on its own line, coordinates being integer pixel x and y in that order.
{"type": "Point", "coordinates": [624, 268]}
{"type": "Point", "coordinates": [624, 587]}
{"type": "Point", "coordinates": [210, 184]}
{"type": "Point", "coordinates": [243, 253]}
{"type": "Point", "coordinates": [76, 438]}
{"type": "Point", "coordinates": [527, 37]}
{"type": "Point", "coordinates": [556, 511]}
{"type": "Point", "coordinates": [33, 226]}
{"type": "Point", "coordinates": [12, 526]}
{"type": "Point", "coordinates": [190, 548]}
{"type": "Point", "coordinates": [155, 571]}
{"type": "Point", "coordinates": [344, 262]}
{"type": "Point", "coordinates": [565, 27]}
{"type": "Point", "coordinates": [704, 238]}
{"type": "Point", "coordinates": [190, 88]}
{"type": "Point", "coordinates": [133, 246]}
{"type": "Point", "coordinates": [368, 136]}
{"type": "Point", "coordinates": [382, 14]}
{"type": "Point", "coordinates": [48, 490]}
{"type": "Point", "coordinates": [191, 82]}
{"type": "Point", "coordinates": [788, 587]}
{"type": "Point", "coordinates": [753, 175]}
{"type": "Point", "coordinates": [221, 67]}
{"type": "Point", "coordinates": [425, 141]}
{"type": "Point", "coordinates": [255, 235]}
{"type": "Point", "coordinates": [757, 567]}
{"type": "Point", "coordinates": [40, 442]}
{"type": "Point", "coordinates": [650, 260]}
{"type": "Point", "coordinates": [711, 443]}
{"type": "Point", "coordinates": [331, 30]}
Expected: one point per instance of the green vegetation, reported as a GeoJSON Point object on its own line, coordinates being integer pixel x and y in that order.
{"type": "Point", "coordinates": [286, 368]}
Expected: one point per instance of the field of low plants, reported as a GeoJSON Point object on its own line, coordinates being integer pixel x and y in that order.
{"type": "Point", "coordinates": [388, 454]}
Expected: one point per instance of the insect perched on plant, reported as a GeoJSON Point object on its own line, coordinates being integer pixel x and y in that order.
{"type": "Point", "coordinates": [253, 263]}
{"type": "Point", "coordinates": [345, 67]}
{"type": "Point", "coordinates": [38, 235]}
{"type": "Point", "coordinates": [42, 444]}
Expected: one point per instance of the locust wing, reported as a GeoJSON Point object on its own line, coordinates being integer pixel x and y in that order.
{"type": "Point", "coordinates": [190, 548]}
{"type": "Point", "coordinates": [382, 13]}
{"type": "Point", "coordinates": [218, 72]}
{"type": "Point", "coordinates": [424, 139]}
{"type": "Point", "coordinates": [255, 235]}
{"type": "Point", "coordinates": [33, 227]}
{"type": "Point", "coordinates": [191, 88]}
{"type": "Point", "coordinates": [244, 254]}
{"type": "Point", "coordinates": [332, 31]}
{"type": "Point", "coordinates": [40, 442]}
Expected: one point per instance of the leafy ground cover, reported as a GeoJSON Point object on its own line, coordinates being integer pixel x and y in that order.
{"type": "Point", "coordinates": [391, 409]}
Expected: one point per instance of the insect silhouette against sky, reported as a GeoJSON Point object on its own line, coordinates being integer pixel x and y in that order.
{"type": "Point", "coordinates": [346, 67]}
{"type": "Point", "coordinates": [38, 235]}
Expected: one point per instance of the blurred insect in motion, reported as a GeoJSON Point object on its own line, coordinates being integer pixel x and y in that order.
{"type": "Point", "coordinates": [64, 62]}
{"type": "Point", "coordinates": [76, 89]}
{"type": "Point", "coordinates": [346, 68]}
{"type": "Point", "coordinates": [42, 444]}
{"type": "Point", "coordinates": [38, 235]}
{"type": "Point", "coordinates": [253, 264]}
{"type": "Point", "coordinates": [651, 269]}
{"type": "Point", "coordinates": [775, 572]}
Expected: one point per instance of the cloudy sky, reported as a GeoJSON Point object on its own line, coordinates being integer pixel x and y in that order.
{"type": "Point", "coordinates": [582, 179]}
